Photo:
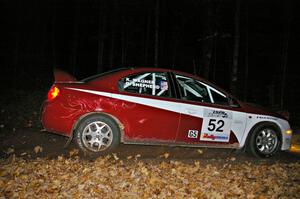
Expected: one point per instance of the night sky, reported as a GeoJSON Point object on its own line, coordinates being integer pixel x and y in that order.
{"type": "Point", "coordinates": [197, 36]}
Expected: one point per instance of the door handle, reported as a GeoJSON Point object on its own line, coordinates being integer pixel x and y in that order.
{"type": "Point", "coordinates": [191, 111]}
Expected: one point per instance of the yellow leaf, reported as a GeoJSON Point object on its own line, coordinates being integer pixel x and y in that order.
{"type": "Point", "coordinates": [38, 149]}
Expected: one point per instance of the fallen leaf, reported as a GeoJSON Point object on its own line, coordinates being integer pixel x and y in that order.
{"type": "Point", "coordinates": [115, 156]}
{"type": "Point", "coordinates": [73, 152]}
{"type": "Point", "coordinates": [129, 157]}
{"type": "Point", "coordinates": [1, 184]}
{"type": "Point", "coordinates": [165, 155]}
{"type": "Point", "coordinates": [137, 156]}
{"type": "Point", "coordinates": [200, 151]}
{"type": "Point", "coordinates": [38, 149]}
{"type": "Point", "coordinates": [10, 151]}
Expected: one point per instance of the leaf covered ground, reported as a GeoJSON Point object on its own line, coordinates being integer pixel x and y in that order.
{"type": "Point", "coordinates": [111, 177]}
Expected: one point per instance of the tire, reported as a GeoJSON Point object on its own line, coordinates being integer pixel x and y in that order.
{"type": "Point", "coordinates": [264, 140]}
{"type": "Point", "coordinates": [97, 135]}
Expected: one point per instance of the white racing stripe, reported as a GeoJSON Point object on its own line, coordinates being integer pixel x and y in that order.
{"type": "Point", "coordinates": [176, 107]}
{"type": "Point", "coordinates": [161, 104]}
{"type": "Point", "coordinates": [165, 105]}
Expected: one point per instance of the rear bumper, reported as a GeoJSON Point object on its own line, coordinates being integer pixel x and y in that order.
{"type": "Point", "coordinates": [54, 119]}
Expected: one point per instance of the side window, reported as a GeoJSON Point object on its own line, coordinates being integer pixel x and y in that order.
{"type": "Point", "coordinates": [195, 90]}
{"type": "Point", "coordinates": [219, 98]}
{"type": "Point", "coordinates": [155, 84]}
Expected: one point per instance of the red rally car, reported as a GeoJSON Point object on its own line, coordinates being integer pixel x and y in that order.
{"type": "Point", "coordinates": [158, 106]}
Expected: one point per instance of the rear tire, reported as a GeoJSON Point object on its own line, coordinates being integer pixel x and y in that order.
{"type": "Point", "coordinates": [264, 140]}
{"type": "Point", "coordinates": [97, 135]}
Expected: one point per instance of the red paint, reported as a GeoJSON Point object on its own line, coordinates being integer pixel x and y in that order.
{"type": "Point", "coordinates": [187, 123]}
{"type": "Point", "coordinates": [146, 123]}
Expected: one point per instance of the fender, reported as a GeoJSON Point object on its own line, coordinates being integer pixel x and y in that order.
{"type": "Point", "coordinates": [245, 139]}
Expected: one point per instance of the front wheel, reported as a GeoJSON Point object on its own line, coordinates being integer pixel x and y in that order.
{"type": "Point", "coordinates": [96, 135]}
{"type": "Point", "coordinates": [264, 141]}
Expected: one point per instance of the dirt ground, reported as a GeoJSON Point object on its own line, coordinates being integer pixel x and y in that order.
{"type": "Point", "coordinates": [33, 142]}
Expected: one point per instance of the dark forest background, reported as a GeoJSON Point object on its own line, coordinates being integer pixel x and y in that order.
{"type": "Point", "coordinates": [249, 47]}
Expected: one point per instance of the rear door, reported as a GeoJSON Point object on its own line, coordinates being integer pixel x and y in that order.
{"type": "Point", "coordinates": [148, 109]}
{"type": "Point", "coordinates": [206, 114]}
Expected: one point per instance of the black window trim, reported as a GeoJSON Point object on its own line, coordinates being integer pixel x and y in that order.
{"type": "Point", "coordinates": [179, 96]}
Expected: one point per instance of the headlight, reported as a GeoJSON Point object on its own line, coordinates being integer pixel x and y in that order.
{"type": "Point", "coordinates": [289, 132]}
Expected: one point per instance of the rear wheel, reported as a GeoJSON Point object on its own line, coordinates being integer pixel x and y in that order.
{"type": "Point", "coordinates": [264, 140]}
{"type": "Point", "coordinates": [97, 134]}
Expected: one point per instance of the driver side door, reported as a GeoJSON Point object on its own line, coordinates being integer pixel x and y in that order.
{"type": "Point", "coordinates": [206, 115]}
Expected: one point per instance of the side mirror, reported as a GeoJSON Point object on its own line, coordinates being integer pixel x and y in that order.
{"type": "Point", "coordinates": [233, 102]}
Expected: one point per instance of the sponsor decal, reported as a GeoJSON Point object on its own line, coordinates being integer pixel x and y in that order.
{"type": "Point", "coordinates": [266, 118]}
{"type": "Point", "coordinates": [216, 125]}
{"type": "Point", "coordinates": [141, 83]}
{"type": "Point", "coordinates": [192, 134]}
{"type": "Point", "coordinates": [213, 137]}
{"type": "Point", "coordinates": [217, 113]}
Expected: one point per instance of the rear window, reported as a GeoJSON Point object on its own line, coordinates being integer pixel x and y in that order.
{"type": "Point", "coordinates": [103, 74]}
{"type": "Point", "coordinates": [149, 83]}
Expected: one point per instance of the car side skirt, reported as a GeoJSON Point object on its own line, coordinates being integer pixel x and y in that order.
{"type": "Point", "coordinates": [178, 144]}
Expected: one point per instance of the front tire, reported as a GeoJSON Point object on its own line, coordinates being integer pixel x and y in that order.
{"type": "Point", "coordinates": [97, 135]}
{"type": "Point", "coordinates": [264, 140]}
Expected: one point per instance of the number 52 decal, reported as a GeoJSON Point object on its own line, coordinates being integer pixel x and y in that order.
{"type": "Point", "coordinates": [216, 125]}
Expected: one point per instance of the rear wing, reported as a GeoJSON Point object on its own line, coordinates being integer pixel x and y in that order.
{"type": "Point", "coordinates": [61, 76]}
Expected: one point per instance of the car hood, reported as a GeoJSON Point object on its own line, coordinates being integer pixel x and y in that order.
{"type": "Point", "coordinates": [257, 109]}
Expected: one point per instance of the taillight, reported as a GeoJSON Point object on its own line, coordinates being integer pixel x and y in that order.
{"type": "Point", "coordinates": [53, 93]}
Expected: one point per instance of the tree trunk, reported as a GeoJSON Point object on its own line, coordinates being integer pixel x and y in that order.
{"type": "Point", "coordinates": [156, 29]}
{"type": "Point", "coordinates": [208, 37]}
{"type": "Point", "coordinates": [214, 71]}
{"type": "Point", "coordinates": [284, 55]}
{"type": "Point", "coordinates": [112, 48]}
{"type": "Point", "coordinates": [53, 37]}
{"type": "Point", "coordinates": [101, 28]}
{"type": "Point", "coordinates": [246, 55]}
{"type": "Point", "coordinates": [175, 49]}
{"type": "Point", "coordinates": [233, 83]}
{"type": "Point", "coordinates": [16, 56]}
{"type": "Point", "coordinates": [180, 27]}
{"type": "Point", "coordinates": [74, 47]}
{"type": "Point", "coordinates": [147, 37]}
{"type": "Point", "coordinates": [114, 13]}
{"type": "Point", "coordinates": [124, 41]}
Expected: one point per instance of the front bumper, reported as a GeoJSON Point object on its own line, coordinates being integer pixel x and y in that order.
{"type": "Point", "coordinates": [286, 141]}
